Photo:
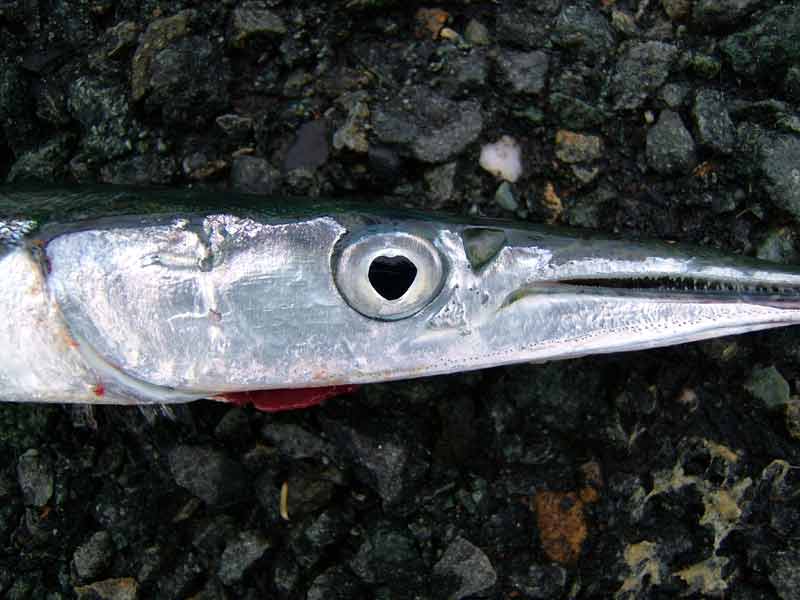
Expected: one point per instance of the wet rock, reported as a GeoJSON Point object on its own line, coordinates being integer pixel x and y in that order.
{"type": "Point", "coordinates": [642, 69]}
{"type": "Point", "coordinates": [45, 164]}
{"type": "Point", "coordinates": [386, 456]}
{"type": "Point", "coordinates": [319, 533]}
{"type": "Point", "coordinates": [463, 570]}
{"type": "Point", "coordinates": [673, 95]}
{"type": "Point", "coordinates": [791, 84]}
{"type": "Point", "coordinates": [714, 127]}
{"type": "Point", "coordinates": [426, 125]}
{"type": "Point", "coordinates": [295, 442]}
{"type": "Point", "coordinates": [677, 10]}
{"type": "Point", "coordinates": [524, 72]}
{"type": "Point", "coordinates": [670, 147]}
{"type": "Point", "coordinates": [241, 554]}
{"type": "Point", "coordinates": [767, 47]}
{"type": "Point", "coordinates": [779, 246]}
{"type": "Point", "coordinates": [51, 102]}
{"type": "Point", "coordinates": [310, 147]}
{"type": "Point", "coordinates": [477, 33]}
{"type": "Point", "coordinates": [440, 183]}
{"type": "Point", "coordinates": [35, 477]}
{"type": "Point", "coordinates": [713, 124]}
{"type": "Point", "coordinates": [124, 588]}
{"type": "Point", "coordinates": [310, 488]}
{"type": "Point", "coordinates": [208, 474]}
{"type": "Point", "coordinates": [335, 583]}
{"type": "Point", "coordinates": [103, 112]}
{"type": "Point", "coordinates": [780, 157]}
{"type": "Point", "coordinates": [147, 169]}
{"type": "Point", "coordinates": [574, 112]}
{"type": "Point", "coordinates": [388, 554]}
{"type": "Point", "coordinates": [254, 175]}
{"type": "Point", "coordinates": [574, 147]}
{"type": "Point", "coordinates": [504, 197]}
{"type": "Point", "coordinates": [184, 579]}
{"type": "Point", "coordinates": [584, 30]}
{"type": "Point", "coordinates": [188, 81]}
{"type": "Point", "coordinates": [541, 582]}
{"type": "Point", "coordinates": [466, 73]}
{"type": "Point", "coordinates": [714, 13]}
{"type": "Point", "coordinates": [522, 25]}
{"type": "Point", "coordinates": [16, 117]}
{"type": "Point", "coordinates": [233, 426]}
{"type": "Point", "coordinates": [157, 37]}
{"type": "Point", "coordinates": [785, 573]}
{"type": "Point", "coordinates": [253, 20]}
{"type": "Point", "coordinates": [352, 135]}
{"type": "Point", "coordinates": [93, 556]}
{"type": "Point", "coordinates": [384, 163]}
{"type": "Point", "coordinates": [769, 386]}
{"type": "Point", "coordinates": [235, 126]}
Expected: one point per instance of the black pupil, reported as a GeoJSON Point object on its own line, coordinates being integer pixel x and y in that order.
{"type": "Point", "coordinates": [391, 276]}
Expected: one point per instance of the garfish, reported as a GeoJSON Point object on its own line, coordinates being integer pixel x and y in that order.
{"type": "Point", "coordinates": [133, 296]}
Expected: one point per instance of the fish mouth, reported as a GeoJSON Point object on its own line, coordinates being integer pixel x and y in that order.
{"type": "Point", "coordinates": [669, 288]}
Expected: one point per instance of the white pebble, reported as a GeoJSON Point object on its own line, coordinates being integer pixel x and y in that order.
{"type": "Point", "coordinates": [502, 159]}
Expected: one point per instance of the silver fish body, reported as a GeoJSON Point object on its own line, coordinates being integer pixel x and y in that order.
{"type": "Point", "coordinates": [182, 300]}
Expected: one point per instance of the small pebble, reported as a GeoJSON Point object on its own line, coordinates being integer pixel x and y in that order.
{"type": "Point", "coordinates": [502, 159]}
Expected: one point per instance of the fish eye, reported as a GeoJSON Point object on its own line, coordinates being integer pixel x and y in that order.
{"type": "Point", "coordinates": [389, 276]}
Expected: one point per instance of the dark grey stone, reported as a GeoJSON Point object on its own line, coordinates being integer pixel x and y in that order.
{"type": "Point", "coordinates": [208, 474]}
{"type": "Point", "coordinates": [45, 164]}
{"type": "Point", "coordinates": [335, 583]}
{"type": "Point", "coordinates": [641, 70]}
{"type": "Point", "coordinates": [584, 30]}
{"type": "Point", "coordinates": [713, 124]}
{"type": "Point", "coordinates": [93, 556]}
{"type": "Point", "coordinates": [574, 113]}
{"type": "Point", "coordinates": [254, 19]}
{"type": "Point", "coordinates": [785, 573]}
{"type": "Point", "coordinates": [440, 183]}
{"type": "Point", "coordinates": [541, 582]}
{"type": "Point", "coordinates": [145, 169]}
{"type": "Point", "coordinates": [295, 442]}
{"type": "Point", "coordinates": [523, 24]}
{"type": "Point", "coordinates": [769, 386]}
{"type": "Point", "coordinates": [463, 570]}
{"type": "Point", "coordinates": [384, 163]}
{"type": "Point", "coordinates": [779, 246]}
{"type": "Point", "coordinates": [780, 162]}
{"type": "Point", "coordinates": [713, 13]}
{"type": "Point", "coordinates": [103, 112]}
{"type": "Point", "coordinates": [235, 126]}
{"type": "Point", "coordinates": [524, 72]}
{"type": "Point", "coordinates": [310, 148]}
{"type": "Point", "coordinates": [253, 174]}
{"type": "Point", "coordinates": [670, 147]}
{"type": "Point", "coordinates": [386, 455]}
{"type": "Point", "coordinates": [189, 81]}
{"type": "Point", "coordinates": [767, 47]}
{"type": "Point", "coordinates": [429, 127]}
{"type": "Point", "coordinates": [388, 554]}
{"type": "Point", "coordinates": [240, 554]}
{"type": "Point", "coordinates": [35, 478]}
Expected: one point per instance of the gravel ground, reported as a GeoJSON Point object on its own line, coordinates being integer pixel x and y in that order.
{"type": "Point", "coordinates": [652, 474]}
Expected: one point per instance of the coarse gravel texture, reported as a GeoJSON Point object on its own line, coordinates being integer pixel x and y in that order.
{"type": "Point", "coordinates": [655, 474]}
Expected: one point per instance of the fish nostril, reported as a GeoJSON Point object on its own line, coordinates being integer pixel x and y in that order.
{"type": "Point", "coordinates": [392, 276]}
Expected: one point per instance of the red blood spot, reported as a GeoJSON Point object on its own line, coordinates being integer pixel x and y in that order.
{"type": "Point", "coordinates": [99, 390]}
{"type": "Point", "coordinates": [289, 399]}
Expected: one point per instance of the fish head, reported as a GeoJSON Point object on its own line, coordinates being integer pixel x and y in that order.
{"type": "Point", "coordinates": [224, 303]}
